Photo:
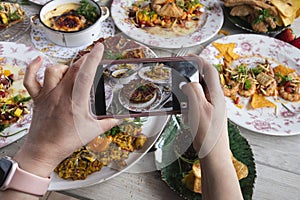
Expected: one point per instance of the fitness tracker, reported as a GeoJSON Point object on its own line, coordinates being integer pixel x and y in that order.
{"type": "Point", "coordinates": [12, 177]}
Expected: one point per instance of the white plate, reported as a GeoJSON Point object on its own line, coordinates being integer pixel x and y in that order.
{"type": "Point", "coordinates": [147, 106]}
{"type": "Point", "coordinates": [151, 128]}
{"type": "Point", "coordinates": [263, 120]}
{"type": "Point", "coordinates": [19, 55]}
{"type": "Point", "coordinates": [211, 22]}
{"type": "Point", "coordinates": [142, 74]}
{"type": "Point", "coordinates": [14, 32]}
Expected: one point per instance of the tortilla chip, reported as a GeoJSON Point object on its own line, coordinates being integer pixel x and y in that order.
{"type": "Point", "coordinates": [240, 168]}
{"type": "Point", "coordinates": [197, 185]}
{"type": "Point", "coordinates": [189, 180]}
{"type": "Point", "coordinates": [193, 179]}
{"type": "Point", "coordinates": [288, 10]}
{"type": "Point", "coordinates": [283, 70]}
{"type": "Point", "coordinates": [197, 169]}
{"type": "Point", "coordinates": [226, 51]}
{"type": "Point", "coordinates": [287, 20]}
{"type": "Point", "coordinates": [259, 101]}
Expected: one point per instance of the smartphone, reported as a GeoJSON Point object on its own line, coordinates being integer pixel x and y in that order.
{"type": "Point", "coordinates": [142, 87]}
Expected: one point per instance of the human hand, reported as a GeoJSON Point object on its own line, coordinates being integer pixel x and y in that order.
{"type": "Point", "coordinates": [61, 120]}
{"type": "Point", "coordinates": [207, 114]}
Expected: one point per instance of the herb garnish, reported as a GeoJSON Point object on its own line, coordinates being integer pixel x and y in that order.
{"type": "Point", "coordinates": [242, 69]}
{"type": "Point", "coordinates": [137, 122]}
{"type": "Point", "coordinates": [263, 15]}
{"type": "Point", "coordinates": [88, 11]}
{"type": "Point", "coordinates": [248, 84]}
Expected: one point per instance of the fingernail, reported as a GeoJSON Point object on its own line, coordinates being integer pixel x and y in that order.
{"type": "Point", "coordinates": [98, 45]}
{"type": "Point", "coordinates": [37, 59]}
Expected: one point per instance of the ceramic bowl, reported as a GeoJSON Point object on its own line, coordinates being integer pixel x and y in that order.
{"type": "Point", "coordinates": [72, 38]}
{"type": "Point", "coordinates": [122, 76]}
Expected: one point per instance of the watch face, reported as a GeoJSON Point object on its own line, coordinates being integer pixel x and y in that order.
{"type": "Point", "coordinates": [5, 166]}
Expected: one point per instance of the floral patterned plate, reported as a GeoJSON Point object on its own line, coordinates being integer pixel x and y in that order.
{"type": "Point", "coordinates": [210, 23]}
{"type": "Point", "coordinates": [14, 32]}
{"type": "Point", "coordinates": [254, 47]}
{"type": "Point", "coordinates": [19, 56]}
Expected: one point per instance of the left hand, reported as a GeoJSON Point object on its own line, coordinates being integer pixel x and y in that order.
{"type": "Point", "coordinates": [61, 121]}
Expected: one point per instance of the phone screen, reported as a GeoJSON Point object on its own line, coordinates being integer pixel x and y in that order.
{"type": "Point", "coordinates": [141, 88]}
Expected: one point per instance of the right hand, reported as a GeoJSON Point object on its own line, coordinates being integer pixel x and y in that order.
{"type": "Point", "coordinates": [207, 110]}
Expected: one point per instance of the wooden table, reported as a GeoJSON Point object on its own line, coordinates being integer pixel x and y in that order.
{"type": "Point", "coordinates": [277, 160]}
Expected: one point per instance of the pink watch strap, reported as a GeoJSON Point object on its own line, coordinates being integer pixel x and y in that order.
{"type": "Point", "coordinates": [29, 183]}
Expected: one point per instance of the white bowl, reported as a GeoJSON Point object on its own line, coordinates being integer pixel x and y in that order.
{"type": "Point", "coordinates": [120, 76]}
{"type": "Point", "coordinates": [75, 38]}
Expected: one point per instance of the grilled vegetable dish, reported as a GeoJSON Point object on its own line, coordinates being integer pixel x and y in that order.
{"type": "Point", "coordinates": [12, 101]}
{"type": "Point", "coordinates": [113, 147]}
{"type": "Point", "coordinates": [165, 13]}
{"type": "Point", "coordinates": [10, 14]}
{"type": "Point", "coordinates": [139, 91]}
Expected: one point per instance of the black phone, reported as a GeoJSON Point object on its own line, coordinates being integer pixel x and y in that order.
{"type": "Point", "coordinates": [142, 87]}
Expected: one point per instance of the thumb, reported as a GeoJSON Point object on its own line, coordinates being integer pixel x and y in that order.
{"type": "Point", "coordinates": [108, 123]}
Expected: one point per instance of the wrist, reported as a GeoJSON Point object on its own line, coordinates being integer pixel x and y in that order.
{"type": "Point", "coordinates": [220, 151]}
{"type": "Point", "coordinates": [33, 164]}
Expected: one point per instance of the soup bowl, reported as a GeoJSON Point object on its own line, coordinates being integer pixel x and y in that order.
{"type": "Point", "coordinates": [65, 25]}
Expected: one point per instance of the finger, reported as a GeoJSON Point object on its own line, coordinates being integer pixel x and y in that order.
{"type": "Point", "coordinates": [195, 93]}
{"type": "Point", "coordinates": [197, 104]}
{"type": "Point", "coordinates": [211, 83]}
{"type": "Point", "coordinates": [53, 76]}
{"type": "Point", "coordinates": [86, 74]}
{"type": "Point", "coordinates": [97, 127]}
{"type": "Point", "coordinates": [31, 84]}
{"type": "Point", "coordinates": [71, 74]}
{"type": "Point", "coordinates": [108, 123]}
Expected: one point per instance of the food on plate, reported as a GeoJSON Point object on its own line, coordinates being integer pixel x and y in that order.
{"type": "Point", "coordinates": [259, 80]}
{"type": "Point", "coordinates": [116, 47]}
{"type": "Point", "coordinates": [283, 70]}
{"type": "Point", "coordinates": [264, 16]}
{"type": "Point", "coordinates": [158, 72]}
{"type": "Point", "coordinates": [71, 17]}
{"type": "Point", "coordinates": [259, 101]}
{"type": "Point", "coordinates": [13, 96]}
{"type": "Point", "coordinates": [125, 66]}
{"type": "Point", "coordinates": [226, 51]}
{"type": "Point", "coordinates": [289, 86]}
{"type": "Point", "coordinates": [143, 93]}
{"type": "Point", "coordinates": [10, 14]}
{"type": "Point", "coordinates": [113, 147]}
{"type": "Point", "coordinates": [139, 91]}
{"type": "Point", "coordinates": [165, 13]}
{"type": "Point", "coordinates": [192, 180]}
{"type": "Point", "coordinates": [122, 73]}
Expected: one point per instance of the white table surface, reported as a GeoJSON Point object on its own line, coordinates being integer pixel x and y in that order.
{"type": "Point", "coordinates": [277, 160]}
